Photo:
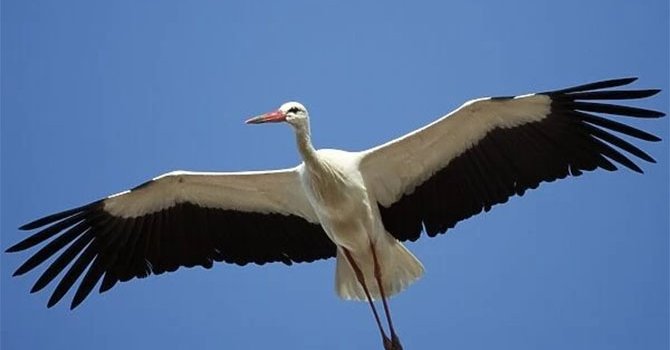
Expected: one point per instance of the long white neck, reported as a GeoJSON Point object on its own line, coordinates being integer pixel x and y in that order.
{"type": "Point", "coordinates": [307, 151]}
{"type": "Point", "coordinates": [320, 171]}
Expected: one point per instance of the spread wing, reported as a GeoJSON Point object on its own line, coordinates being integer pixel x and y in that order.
{"type": "Point", "coordinates": [493, 148]}
{"type": "Point", "coordinates": [177, 219]}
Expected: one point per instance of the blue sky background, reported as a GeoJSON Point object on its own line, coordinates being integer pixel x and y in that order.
{"type": "Point", "coordinates": [98, 96]}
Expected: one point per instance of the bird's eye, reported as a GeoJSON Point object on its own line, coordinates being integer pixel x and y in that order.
{"type": "Point", "coordinates": [293, 110]}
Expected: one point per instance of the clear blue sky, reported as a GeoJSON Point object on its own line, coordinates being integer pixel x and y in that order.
{"type": "Point", "coordinates": [98, 96]}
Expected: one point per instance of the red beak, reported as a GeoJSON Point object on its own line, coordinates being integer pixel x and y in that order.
{"type": "Point", "coordinates": [272, 117]}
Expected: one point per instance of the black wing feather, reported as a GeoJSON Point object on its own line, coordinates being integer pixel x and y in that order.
{"type": "Point", "coordinates": [505, 162]}
{"type": "Point", "coordinates": [112, 249]}
{"type": "Point", "coordinates": [46, 233]}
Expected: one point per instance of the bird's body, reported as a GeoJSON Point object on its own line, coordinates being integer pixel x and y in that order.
{"type": "Point", "coordinates": [355, 206]}
{"type": "Point", "coordinates": [349, 215]}
{"type": "Point", "coordinates": [335, 189]}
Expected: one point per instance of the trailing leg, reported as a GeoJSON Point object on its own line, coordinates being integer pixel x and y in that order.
{"type": "Point", "coordinates": [359, 276]}
{"type": "Point", "coordinates": [395, 341]}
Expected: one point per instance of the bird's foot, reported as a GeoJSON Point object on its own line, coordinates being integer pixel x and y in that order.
{"type": "Point", "coordinates": [395, 342]}
{"type": "Point", "coordinates": [388, 345]}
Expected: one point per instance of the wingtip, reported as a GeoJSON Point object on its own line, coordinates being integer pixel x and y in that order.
{"type": "Point", "coordinates": [23, 269]}
{"type": "Point", "coordinates": [12, 249]}
{"type": "Point", "coordinates": [29, 226]}
{"type": "Point", "coordinates": [55, 297]}
{"type": "Point", "coordinates": [598, 85]}
{"type": "Point", "coordinates": [51, 303]}
{"type": "Point", "coordinates": [619, 81]}
{"type": "Point", "coordinates": [654, 114]}
{"type": "Point", "coordinates": [75, 302]}
{"type": "Point", "coordinates": [653, 92]}
{"type": "Point", "coordinates": [40, 284]}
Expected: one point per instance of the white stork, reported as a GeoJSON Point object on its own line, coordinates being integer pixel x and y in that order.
{"type": "Point", "coordinates": [355, 206]}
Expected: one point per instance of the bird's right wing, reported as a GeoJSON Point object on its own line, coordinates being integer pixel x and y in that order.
{"type": "Point", "coordinates": [177, 219]}
{"type": "Point", "coordinates": [492, 148]}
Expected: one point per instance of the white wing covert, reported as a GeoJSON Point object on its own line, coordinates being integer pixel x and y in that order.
{"type": "Point", "coordinates": [492, 148]}
{"type": "Point", "coordinates": [177, 219]}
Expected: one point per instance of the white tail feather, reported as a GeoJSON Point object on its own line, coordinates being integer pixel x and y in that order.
{"type": "Point", "coordinates": [398, 265]}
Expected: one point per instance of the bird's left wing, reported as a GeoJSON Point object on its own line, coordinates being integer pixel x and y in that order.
{"type": "Point", "coordinates": [492, 148]}
{"type": "Point", "coordinates": [177, 219]}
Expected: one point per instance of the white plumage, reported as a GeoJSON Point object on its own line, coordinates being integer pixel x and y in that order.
{"type": "Point", "coordinates": [355, 206]}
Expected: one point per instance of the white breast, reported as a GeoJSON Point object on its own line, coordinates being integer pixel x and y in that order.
{"type": "Point", "coordinates": [338, 195]}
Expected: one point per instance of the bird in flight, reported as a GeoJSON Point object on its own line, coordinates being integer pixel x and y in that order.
{"type": "Point", "coordinates": [355, 206]}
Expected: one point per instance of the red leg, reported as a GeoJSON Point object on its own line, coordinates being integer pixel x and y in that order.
{"type": "Point", "coordinates": [395, 341]}
{"type": "Point", "coordinates": [361, 280]}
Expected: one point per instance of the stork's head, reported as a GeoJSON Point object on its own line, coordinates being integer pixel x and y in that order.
{"type": "Point", "coordinates": [293, 113]}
